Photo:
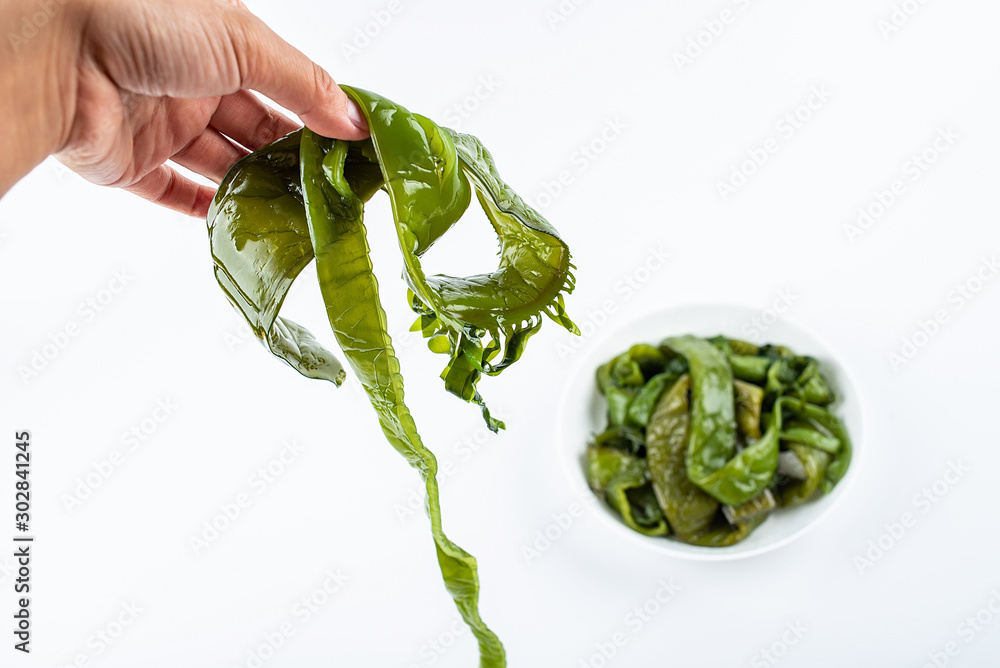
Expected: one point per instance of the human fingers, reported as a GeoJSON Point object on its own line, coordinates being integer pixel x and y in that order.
{"type": "Point", "coordinates": [209, 154]}
{"type": "Point", "coordinates": [250, 122]}
{"type": "Point", "coordinates": [272, 66]}
{"type": "Point", "coordinates": [164, 186]}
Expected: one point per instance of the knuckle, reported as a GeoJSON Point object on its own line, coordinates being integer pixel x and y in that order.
{"type": "Point", "coordinates": [322, 80]}
{"type": "Point", "coordinates": [324, 87]}
{"type": "Point", "coordinates": [268, 129]}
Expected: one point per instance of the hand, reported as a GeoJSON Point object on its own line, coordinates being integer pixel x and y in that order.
{"type": "Point", "coordinates": [152, 81]}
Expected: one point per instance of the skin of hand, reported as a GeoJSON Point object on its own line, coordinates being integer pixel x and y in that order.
{"type": "Point", "coordinates": [117, 88]}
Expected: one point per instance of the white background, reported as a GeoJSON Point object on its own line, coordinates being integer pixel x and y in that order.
{"type": "Point", "coordinates": [556, 86]}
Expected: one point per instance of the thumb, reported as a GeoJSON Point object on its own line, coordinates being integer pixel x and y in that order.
{"type": "Point", "coordinates": [270, 65]}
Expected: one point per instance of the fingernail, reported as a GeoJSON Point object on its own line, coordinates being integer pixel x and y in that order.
{"type": "Point", "coordinates": [354, 113]}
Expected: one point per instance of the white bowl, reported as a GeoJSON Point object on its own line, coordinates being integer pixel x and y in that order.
{"type": "Point", "coordinates": [583, 413]}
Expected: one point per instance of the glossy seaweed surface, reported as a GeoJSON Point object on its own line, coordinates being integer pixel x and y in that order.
{"type": "Point", "coordinates": [302, 199]}
{"type": "Point", "coordinates": [706, 437]}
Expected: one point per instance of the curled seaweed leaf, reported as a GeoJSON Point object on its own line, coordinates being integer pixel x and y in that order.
{"type": "Point", "coordinates": [260, 243]}
{"type": "Point", "coordinates": [430, 174]}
